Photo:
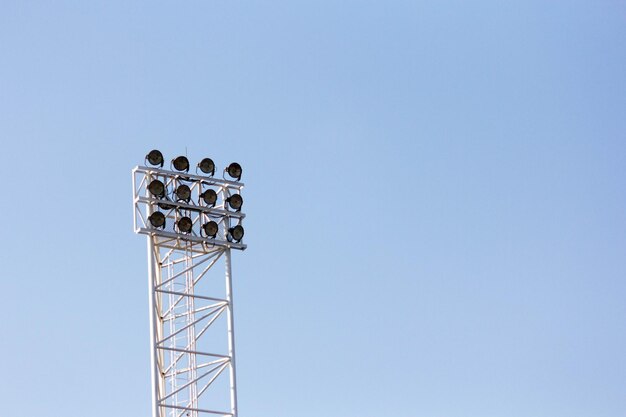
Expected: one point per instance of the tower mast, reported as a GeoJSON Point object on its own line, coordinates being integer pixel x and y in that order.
{"type": "Point", "coordinates": [192, 223]}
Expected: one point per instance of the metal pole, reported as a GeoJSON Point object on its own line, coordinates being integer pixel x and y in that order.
{"type": "Point", "coordinates": [231, 334]}
{"type": "Point", "coordinates": [153, 347]}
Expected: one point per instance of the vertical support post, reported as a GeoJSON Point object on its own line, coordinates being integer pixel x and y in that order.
{"type": "Point", "coordinates": [231, 334]}
{"type": "Point", "coordinates": [154, 371]}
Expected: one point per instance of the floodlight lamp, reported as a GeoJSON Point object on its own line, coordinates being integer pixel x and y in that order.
{"type": "Point", "coordinates": [207, 166]}
{"type": "Point", "coordinates": [236, 233]}
{"type": "Point", "coordinates": [235, 202]}
{"type": "Point", "coordinates": [156, 188]}
{"type": "Point", "coordinates": [209, 197]}
{"type": "Point", "coordinates": [183, 192]}
{"type": "Point", "coordinates": [184, 224]}
{"type": "Point", "coordinates": [234, 170]}
{"type": "Point", "coordinates": [210, 229]}
{"type": "Point", "coordinates": [155, 157]}
{"type": "Point", "coordinates": [181, 163]}
{"type": "Point", "coordinates": [165, 206]}
{"type": "Point", "coordinates": [157, 219]}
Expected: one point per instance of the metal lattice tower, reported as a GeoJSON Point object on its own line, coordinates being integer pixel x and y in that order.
{"type": "Point", "coordinates": [190, 283]}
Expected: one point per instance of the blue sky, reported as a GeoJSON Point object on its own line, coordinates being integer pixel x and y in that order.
{"type": "Point", "coordinates": [434, 190]}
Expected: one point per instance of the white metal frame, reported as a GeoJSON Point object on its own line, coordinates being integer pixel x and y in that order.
{"type": "Point", "coordinates": [189, 361]}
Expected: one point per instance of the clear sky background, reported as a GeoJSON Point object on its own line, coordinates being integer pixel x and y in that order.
{"type": "Point", "coordinates": [435, 194]}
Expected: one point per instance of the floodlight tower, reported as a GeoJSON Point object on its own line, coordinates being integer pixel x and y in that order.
{"type": "Point", "coordinates": [192, 222]}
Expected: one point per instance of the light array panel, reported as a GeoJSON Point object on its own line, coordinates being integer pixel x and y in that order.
{"type": "Point", "coordinates": [179, 207]}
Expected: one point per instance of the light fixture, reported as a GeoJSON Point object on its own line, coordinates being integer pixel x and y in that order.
{"type": "Point", "coordinates": [165, 206]}
{"type": "Point", "coordinates": [156, 188]}
{"type": "Point", "coordinates": [207, 166]}
{"type": "Point", "coordinates": [155, 157]}
{"type": "Point", "coordinates": [157, 219]}
{"type": "Point", "coordinates": [234, 170]}
{"type": "Point", "coordinates": [236, 233]}
{"type": "Point", "coordinates": [235, 202]}
{"type": "Point", "coordinates": [184, 224]}
{"type": "Point", "coordinates": [181, 163]}
{"type": "Point", "coordinates": [183, 192]}
{"type": "Point", "coordinates": [209, 197]}
{"type": "Point", "coordinates": [210, 229]}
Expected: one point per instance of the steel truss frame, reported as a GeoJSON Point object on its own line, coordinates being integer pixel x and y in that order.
{"type": "Point", "coordinates": [191, 316]}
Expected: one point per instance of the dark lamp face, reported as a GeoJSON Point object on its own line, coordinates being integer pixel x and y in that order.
{"type": "Point", "coordinates": [235, 201]}
{"type": "Point", "coordinates": [184, 224]}
{"type": "Point", "coordinates": [209, 197]}
{"type": "Point", "coordinates": [234, 170]}
{"type": "Point", "coordinates": [183, 192]}
{"type": "Point", "coordinates": [210, 229]}
{"type": "Point", "coordinates": [157, 219]}
{"type": "Point", "coordinates": [207, 166]}
{"type": "Point", "coordinates": [155, 157]}
{"type": "Point", "coordinates": [166, 206]}
{"type": "Point", "coordinates": [237, 233]}
{"type": "Point", "coordinates": [156, 188]}
{"type": "Point", "coordinates": [181, 163]}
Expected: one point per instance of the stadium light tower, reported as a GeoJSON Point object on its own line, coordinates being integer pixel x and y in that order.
{"type": "Point", "coordinates": [192, 222]}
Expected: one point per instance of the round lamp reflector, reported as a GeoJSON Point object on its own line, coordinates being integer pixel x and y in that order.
{"type": "Point", "coordinates": [207, 166]}
{"type": "Point", "coordinates": [156, 188]}
{"type": "Point", "coordinates": [234, 170]}
{"type": "Point", "coordinates": [155, 157]}
{"type": "Point", "coordinates": [210, 228]}
{"type": "Point", "coordinates": [181, 163]}
{"type": "Point", "coordinates": [236, 232]}
{"type": "Point", "coordinates": [157, 219]}
{"type": "Point", "coordinates": [183, 192]}
{"type": "Point", "coordinates": [209, 197]}
{"type": "Point", "coordinates": [184, 224]}
{"type": "Point", "coordinates": [235, 201]}
{"type": "Point", "coordinates": [165, 206]}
